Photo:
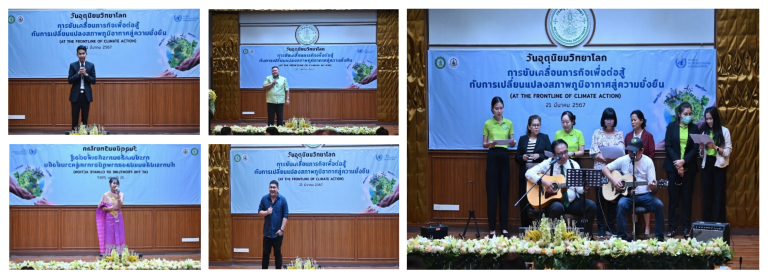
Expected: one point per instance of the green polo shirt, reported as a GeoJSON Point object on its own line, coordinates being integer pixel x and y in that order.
{"type": "Point", "coordinates": [683, 140]}
{"type": "Point", "coordinates": [711, 151]}
{"type": "Point", "coordinates": [276, 94]}
{"type": "Point", "coordinates": [574, 139]}
{"type": "Point", "coordinates": [495, 130]}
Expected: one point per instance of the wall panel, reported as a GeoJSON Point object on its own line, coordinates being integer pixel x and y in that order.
{"type": "Point", "coordinates": [45, 229]}
{"type": "Point", "coordinates": [323, 237]}
{"type": "Point", "coordinates": [144, 103]}
{"type": "Point", "coordinates": [350, 105]}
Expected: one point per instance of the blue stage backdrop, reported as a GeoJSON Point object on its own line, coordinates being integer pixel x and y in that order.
{"type": "Point", "coordinates": [121, 43]}
{"type": "Point", "coordinates": [316, 180]}
{"type": "Point", "coordinates": [463, 82]}
{"type": "Point", "coordinates": [79, 174]}
{"type": "Point", "coordinates": [315, 66]}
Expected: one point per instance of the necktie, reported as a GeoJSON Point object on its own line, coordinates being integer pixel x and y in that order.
{"type": "Point", "coordinates": [82, 82]}
{"type": "Point", "coordinates": [566, 201]}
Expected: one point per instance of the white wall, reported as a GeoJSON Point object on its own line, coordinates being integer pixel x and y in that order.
{"type": "Point", "coordinates": [335, 27]}
{"type": "Point", "coordinates": [513, 27]}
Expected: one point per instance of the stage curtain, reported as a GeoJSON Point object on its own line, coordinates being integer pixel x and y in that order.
{"type": "Point", "coordinates": [418, 209]}
{"type": "Point", "coordinates": [225, 64]}
{"type": "Point", "coordinates": [738, 77]}
{"type": "Point", "coordinates": [387, 44]}
{"type": "Point", "coordinates": [219, 235]}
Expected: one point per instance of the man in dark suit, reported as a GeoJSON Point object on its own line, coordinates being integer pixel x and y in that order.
{"type": "Point", "coordinates": [81, 75]}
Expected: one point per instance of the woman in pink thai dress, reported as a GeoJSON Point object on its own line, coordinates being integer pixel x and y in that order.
{"type": "Point", "coordinates": [109, 219]}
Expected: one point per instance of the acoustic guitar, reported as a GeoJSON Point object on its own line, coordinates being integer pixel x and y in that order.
{"type": "Point", "coordinates": [558, 182]}
{"type": "Point", "coordinates": [610, 193]}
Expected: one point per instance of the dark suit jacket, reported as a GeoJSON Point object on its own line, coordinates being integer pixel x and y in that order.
{"type": "Point", "coordinates": [672, 145]}
{"type": "Point", "coordinates": [542, 143]}
{"type": "Point", "coordinates": [74, 79]}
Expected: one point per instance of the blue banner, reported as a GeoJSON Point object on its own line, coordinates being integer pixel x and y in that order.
{"type": "Point", "coordinates": [318, 180]}
{"type": "Point", "coordinates": [121, 43]}
{"type": "Point", "coordinates": [57, 174]}
{"type": "Point", "coordinates": [547, 83]}
{"type": "Point", "coordinates": [315, 66]}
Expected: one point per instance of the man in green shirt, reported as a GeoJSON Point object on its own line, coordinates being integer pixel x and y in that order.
{"type": "Point", "coordinates": [277, 95]}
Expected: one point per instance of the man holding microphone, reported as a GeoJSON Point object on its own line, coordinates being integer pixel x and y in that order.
{"type": "Point", "coordinates": [277, 96]}
{"type": "Point", "coordinates": [81, 75]}
{"type": "Point", "coordinates": [274, 208]}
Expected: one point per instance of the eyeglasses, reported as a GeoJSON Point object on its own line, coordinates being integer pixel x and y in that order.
{"type": "Point", "coordinates": [535, 125]}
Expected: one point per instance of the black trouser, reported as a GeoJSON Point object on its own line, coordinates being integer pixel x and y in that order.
{"type": "Point", "coordinates": [268, 244]}
{"type": "Point", "coordinates": [713, 191]}
{"type": "Point", "coordinates": [576, 207]}
{"type": "Point", "coordinates": [273, 109]}
{"type": "Point", "coordinates": [83, 105]}
{"type": "Point", "coordinates": [609, 209]}
{"type": "Point", "coordinates": [680, 195]}
{"type": "Point", "coordinates": [497, 186]}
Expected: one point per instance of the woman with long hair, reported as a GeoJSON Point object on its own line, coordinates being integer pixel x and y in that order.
{"type": "Point", "coordinates": [109, 219]}
{"type": "Point", "coordinates": [714, 164]}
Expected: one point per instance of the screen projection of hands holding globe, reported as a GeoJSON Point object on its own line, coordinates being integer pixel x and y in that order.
{"type": "Point", "coordinates": [311, 66]}
{"type": "Point", "coordinates": [122, 43]}
{"type": "Point", "coordinates": [547, 83]}
{"type": "Point", "coordinates": [318, 180]}
{"type": "Point", "coordinates": [52, 174]}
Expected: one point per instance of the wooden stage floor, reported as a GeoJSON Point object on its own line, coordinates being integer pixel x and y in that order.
{"type": "Point", "coordinates": [746, 244]}
{"type": "Point", "coordinates": [175, 256]}
{"type": "Point", "coordinates": [332, 265]}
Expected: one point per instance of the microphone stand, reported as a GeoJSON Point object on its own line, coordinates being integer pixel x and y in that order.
{"type": "Point", "coordinates": [471, 214]}
{"type": "Point", "coordinates": [634, 204]}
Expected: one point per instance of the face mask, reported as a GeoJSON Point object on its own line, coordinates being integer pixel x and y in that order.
{"type": "Point", "coordinates": [686, 120]}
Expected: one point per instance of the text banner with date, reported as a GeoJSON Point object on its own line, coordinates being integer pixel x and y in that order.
{"type": "Point", "coordinates": [318, 179]}
{"type": "Point", "coordinates": [315, 66]}
{"type": "Point", "coordinates": [462, 84]}
{"type": "Point", "coordinates": [58, 174]}
{"type": "Point", "coordinates": [120, 43]}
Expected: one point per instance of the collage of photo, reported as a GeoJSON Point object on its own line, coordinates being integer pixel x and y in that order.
{"type": "Point", "coordinates": [657, 175]}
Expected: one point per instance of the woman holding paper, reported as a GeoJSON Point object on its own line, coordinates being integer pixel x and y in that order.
{"type": "Point", "coordinates": [573, 137]}
{"type": "Point", "coordinates": [109, 219]}
{"type": "Point", "coordinates": [637, 118]}
{"type": "Point", "coordinates": [498, 136]}
{"type": "Point", "coordinates": [715, 161]}
{"type": "Point", "coordinates": [607, 136]}
{"type": "Point", "coordinates": [681, 167]}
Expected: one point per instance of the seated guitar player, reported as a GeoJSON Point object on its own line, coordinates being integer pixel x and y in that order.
{"type": "Point", "coordinates": [571, 202]}
{"type": "Point", "coordinates": [644, 171]}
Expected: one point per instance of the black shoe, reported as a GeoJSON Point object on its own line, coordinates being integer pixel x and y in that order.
{"type": "Point", "coordinates": [687, 233]}
{"type": "Point", "coordinates": [506, 234]}
{"type": "Point", "coordinates": [671, 233]}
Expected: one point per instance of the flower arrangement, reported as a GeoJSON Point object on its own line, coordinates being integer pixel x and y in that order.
{"type": "Point", "coordinates": [84, 130]}
{"type": "Point", "coordinates": [568, 249]}
{"type": "Point", "coordinates": [114, 261]}
{"type": "Point", "coordinates": [153, 264]}
{"type": "Point", "coordinates": [298, 263]}
{"type": "Point", "coordinates": [211, 100]}
{"type": "Point", "coordinates": [298, 128]}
